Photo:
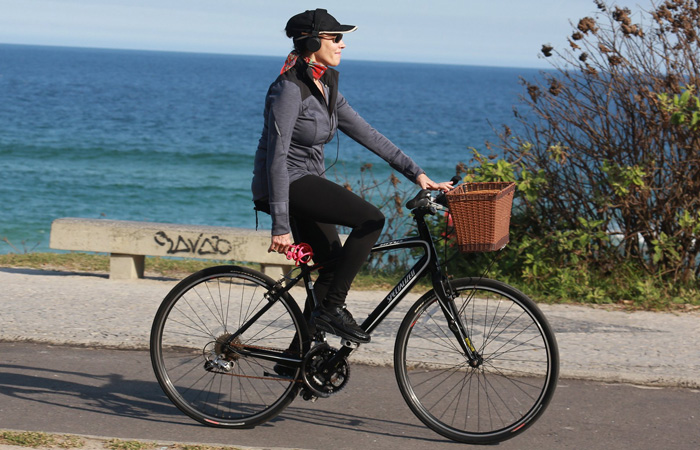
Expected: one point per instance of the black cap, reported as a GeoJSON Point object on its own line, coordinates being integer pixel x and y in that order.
{"type": "Point", "coordinates": [318, 19]}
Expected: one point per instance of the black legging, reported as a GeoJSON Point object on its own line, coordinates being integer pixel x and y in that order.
{"type": "Point", "coordinates": [317, 206]}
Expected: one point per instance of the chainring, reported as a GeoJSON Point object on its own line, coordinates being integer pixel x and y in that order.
{"type": "Point", "coordinates": [324, 382]}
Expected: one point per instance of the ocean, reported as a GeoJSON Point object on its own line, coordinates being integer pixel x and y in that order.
{"type": "Point", "coordinates": [170, 137]}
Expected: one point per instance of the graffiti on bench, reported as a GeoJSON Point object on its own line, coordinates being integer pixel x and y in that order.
{"type": "Point", "coordinates": [210, 245]}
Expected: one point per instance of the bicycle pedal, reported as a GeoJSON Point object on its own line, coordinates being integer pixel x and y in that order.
{"type": "Point", "coordinates": [349, 344]}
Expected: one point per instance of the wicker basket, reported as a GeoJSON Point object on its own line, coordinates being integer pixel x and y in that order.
{"type": "Point", "coordinates": [481, 215]}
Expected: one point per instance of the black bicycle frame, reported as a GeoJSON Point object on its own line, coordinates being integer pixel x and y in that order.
{"type": "Point", "coordinates": [428, 263]}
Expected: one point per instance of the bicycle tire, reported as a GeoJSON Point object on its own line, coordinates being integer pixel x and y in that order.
{"type": "Point", "coordinates": [503, 396]}
{"type": "Point", "coordinates": [186, 338]}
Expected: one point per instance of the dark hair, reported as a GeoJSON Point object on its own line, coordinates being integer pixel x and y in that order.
{"type": "Point", "coordinates": [299, 45]}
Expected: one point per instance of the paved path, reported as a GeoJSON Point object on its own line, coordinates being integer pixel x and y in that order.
{"type": "Point", "coordinates": [594, 344]}
{"type": "Point", "coordinates": [84, 391]}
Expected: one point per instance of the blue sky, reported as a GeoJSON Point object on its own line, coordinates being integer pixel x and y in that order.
{"type": "Point", "coordinates": [492, 33]}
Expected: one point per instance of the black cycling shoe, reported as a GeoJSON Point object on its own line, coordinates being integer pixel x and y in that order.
{"type": "Point", "coordinates": [338, 320]}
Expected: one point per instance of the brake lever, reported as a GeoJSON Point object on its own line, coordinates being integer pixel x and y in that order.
{"type": "Point", "coordinates": [421, 199]}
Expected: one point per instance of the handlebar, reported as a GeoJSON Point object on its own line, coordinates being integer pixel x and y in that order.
{"type": "Point", "coordinates": [424, 199]}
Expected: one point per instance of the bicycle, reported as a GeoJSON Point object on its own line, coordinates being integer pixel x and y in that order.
{"type": "Point", "coordinates": [475, 359]}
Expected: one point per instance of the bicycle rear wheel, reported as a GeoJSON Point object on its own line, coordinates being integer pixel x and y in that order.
{"type": "Point", "coordinates": [205, 367]}
{"type": "Point", "coordinates": [501, 397]}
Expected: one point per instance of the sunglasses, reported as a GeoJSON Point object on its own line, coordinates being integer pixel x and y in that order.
{"type": "Point", "coordinates": [332, 37]}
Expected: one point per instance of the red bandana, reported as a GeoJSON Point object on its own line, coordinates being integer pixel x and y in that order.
{"type": "Point", "coordinates": [290, 61]}
{"type": "Point", "coordinates": [317, 69]}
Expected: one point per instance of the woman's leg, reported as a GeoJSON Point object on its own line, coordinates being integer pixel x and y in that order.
{"type": "Point", "coordinates": [325, 242]}
{"type": "Point", "coordinates": [317, 205]}
{"type": "Point", "coordinates": [316, 199]}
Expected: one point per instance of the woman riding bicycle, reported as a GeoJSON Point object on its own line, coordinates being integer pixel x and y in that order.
{"type": "Point", "coordinates": [303, 110]}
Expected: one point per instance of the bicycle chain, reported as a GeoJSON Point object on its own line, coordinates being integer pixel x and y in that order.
{"type": "Point", "coordinates": [232, 348]}
{"type": "Point", "coordinates": [319, 384]}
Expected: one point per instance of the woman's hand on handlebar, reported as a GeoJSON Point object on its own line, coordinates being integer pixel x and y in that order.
{"type": "Point", "coordinates": [426, 183]}
{"type": "Point", "coordinates": [280, 243]}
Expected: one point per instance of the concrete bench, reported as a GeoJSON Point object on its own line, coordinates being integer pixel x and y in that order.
{"type": "Point", "coordinates": [128, 243]}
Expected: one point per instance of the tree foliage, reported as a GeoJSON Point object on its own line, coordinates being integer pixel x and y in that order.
{"type": "Point", "coordinates": [611, 144]}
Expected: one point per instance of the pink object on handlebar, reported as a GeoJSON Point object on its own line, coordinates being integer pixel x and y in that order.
{"type": "Point", "coordinates": [300, 253]}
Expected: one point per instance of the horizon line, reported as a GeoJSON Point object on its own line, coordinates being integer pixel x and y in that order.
{"type": "Point", "coordinates": [200, 52]}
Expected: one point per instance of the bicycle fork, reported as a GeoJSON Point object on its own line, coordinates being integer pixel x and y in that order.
{"type": "Point", "coordinates": [449, 308]}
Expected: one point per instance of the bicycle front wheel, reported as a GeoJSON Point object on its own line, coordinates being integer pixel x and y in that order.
{"type": "Point", "coordinates": [202, 359]}
{"type": "Point", "coordinates": [495, 398]}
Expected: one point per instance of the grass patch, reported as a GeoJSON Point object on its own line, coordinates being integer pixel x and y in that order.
{"type": "Point", "coordinates": [91, 262]}
{"type": "Point", "coordinates": [202, 447]}
{"type": "Point", "coordinates": [117, 444]}
{"type": "Point", "coordinates": [37, 439]}
{"type": "Point", "coordinates": [26, 439]}
{"type": "Point", "coordinates": [78, 262]}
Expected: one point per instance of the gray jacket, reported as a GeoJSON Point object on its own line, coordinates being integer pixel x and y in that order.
{"type": "Point", "coordinates": [298, 122]}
